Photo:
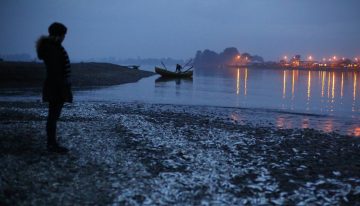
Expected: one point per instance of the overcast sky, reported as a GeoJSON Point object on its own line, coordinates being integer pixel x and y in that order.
{"type": "Point", "coordinates": [178, 28]}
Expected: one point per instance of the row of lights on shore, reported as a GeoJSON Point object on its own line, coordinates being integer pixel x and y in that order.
{"type": "Point", "coordinates": [334, 58]}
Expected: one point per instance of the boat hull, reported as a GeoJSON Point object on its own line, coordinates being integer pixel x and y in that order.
{"type": "Point", "coordinates": [170, 74]}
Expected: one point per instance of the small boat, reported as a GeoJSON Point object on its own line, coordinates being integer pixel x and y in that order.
{"type": "Point", "coordinates": [170, 74]}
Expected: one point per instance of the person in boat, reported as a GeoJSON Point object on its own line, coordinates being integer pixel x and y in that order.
{"type": "Point", "coordinates": [57, 86]}
{"type": "Point", "coordinates": [178, 68]}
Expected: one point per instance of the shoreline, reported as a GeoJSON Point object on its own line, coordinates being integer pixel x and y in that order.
{"type": "Point", "coordinates": [119, 75]}
{"type": "Point", "coordinates": [281, 119]}
{"type": "Point", "coordinates": [162, 154]}
{"type": "Point", "coordinates": [135, 153]}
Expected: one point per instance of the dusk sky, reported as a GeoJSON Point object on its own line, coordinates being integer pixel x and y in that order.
{"type": "Point", "coordinates": [178, 28]}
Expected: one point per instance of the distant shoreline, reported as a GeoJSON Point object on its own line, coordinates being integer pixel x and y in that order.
{"type": "Point", "coordinates": [298, 68]}
{"type": "Point", "coordinates": [30, 75]}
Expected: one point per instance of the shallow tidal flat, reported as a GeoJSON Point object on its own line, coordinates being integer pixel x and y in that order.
{"type": "Point", "coordinates": [24, 76]}
{"type": "Point", "coordinates": [133, 153]}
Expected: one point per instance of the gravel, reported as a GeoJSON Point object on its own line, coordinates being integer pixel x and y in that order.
{"type": "Point", "coordinates": [148, 154]}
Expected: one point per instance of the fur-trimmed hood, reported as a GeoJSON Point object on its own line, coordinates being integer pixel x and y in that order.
{"type": "Point", "coordinates": [43, 44]}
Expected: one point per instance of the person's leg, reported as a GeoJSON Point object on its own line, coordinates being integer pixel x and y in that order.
{"type": "Point", "coordinates": [53, 116]}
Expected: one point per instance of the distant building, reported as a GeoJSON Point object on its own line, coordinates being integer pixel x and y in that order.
{"type": "Point", "coordinates": [333, 62]}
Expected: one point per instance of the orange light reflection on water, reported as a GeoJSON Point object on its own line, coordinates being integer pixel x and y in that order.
{"type": "Point", "coordinates": [328, 126]}
{"type": "Point", "coordinates": [293, 85]}
{"type": "Point", "coordinates": [333, 88]}
{"type": "Point", "coordinates": [323, 83]}
{"type": "Point", "coordinates": [246, 77]}
{"type": "Point", "coordinates": [284, 85]}
{"type": "Point", "coordinates": [305, 123]}
{"type": "Point", "coordinates": [342, 85]}
{"type": "Point", "coordinates": [309, 86]}
{"type": "Point", "coordinates": [355, 79]}
{"type": "Point", "coordinates": [280, 122]}
{"type": "Point", "coordinates": [238, 82]}
{"type": "Point", "coordinates": [357, 132]}
{"type": "Point", "coordinates": [234, 117]}
{"type": "Point", "coordinates": [336, 87]}
{"type": "Point", "coordinates": [328, 87]}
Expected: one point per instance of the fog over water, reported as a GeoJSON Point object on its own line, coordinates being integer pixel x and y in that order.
{"type": "Point", "coordinates": [177, 29]}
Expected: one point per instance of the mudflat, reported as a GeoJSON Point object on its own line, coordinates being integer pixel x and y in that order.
{"type": "Point", "coordinates": [30, 75]}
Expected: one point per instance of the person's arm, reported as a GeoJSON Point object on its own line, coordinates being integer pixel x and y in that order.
{"type": "Point", "coordinates": [54, 63]}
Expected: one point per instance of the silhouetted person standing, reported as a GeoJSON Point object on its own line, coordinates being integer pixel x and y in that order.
{"type": "Point", "coordinates": [178, 68]}
{"type": "Point", "coordinates": [57, 86]}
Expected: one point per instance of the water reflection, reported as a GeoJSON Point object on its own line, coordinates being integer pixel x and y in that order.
{"type": "Point", "coordinates": [355, 80]}
{"type": "Point", "coordinates": [284, 85]}
{"type": "Point", "coordinates": [330, 93]}
{"type": "Point", "coordinates": [357, 132]}
{"type": "Point", "coordinates": [241, 72]}
{"type": "Point", "coordinates": [246, 77]}
{"type": "Point", "coordinates": [354, 93]}
{"type": "Point", "coordinates": [281, 122]}
{"type": "Point", "coordinates": [342, 85]}
{"type": "Point", "coordinates": [305, 123]}
{"type": "Point", "coordinates": [238, 82]}
{"type": "Point", "coordinates": [333, 87]}
{"type": "Point", "coordinates": [314, 92]}
{"type": "Point", "coordinates": [328, 88]}
{"type": "Point", "coordinates": [293, 85]}
{"type": "Point", "coordinates": [328, 126]}
{"type": "Point", "coordinates": [176, 80]}
{"type": "Point", "coordinates": [323, 83]}
{"type": "Point", "coordinates": [309, 86]}
{"type": "Point", "coordinates": [318, 92]}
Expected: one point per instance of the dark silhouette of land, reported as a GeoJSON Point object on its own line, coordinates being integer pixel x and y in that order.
{"type": "Point", "coordinates": [30, 75]}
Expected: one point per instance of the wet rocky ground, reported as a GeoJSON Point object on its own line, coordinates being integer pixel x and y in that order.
{"type": "Point", "coordinates": [143, 154]}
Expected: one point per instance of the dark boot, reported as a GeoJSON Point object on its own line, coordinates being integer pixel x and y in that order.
{"type": "Point", "coordinates": [56, 148]}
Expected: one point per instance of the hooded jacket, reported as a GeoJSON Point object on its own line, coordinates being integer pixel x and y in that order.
{"type": "Point", "coordinates": [57, 86]}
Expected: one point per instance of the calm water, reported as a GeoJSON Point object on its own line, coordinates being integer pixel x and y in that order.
{"type": "Point", "coordinates": [324, 100]}
{"type": "Point", "coordinates": [333, 97]}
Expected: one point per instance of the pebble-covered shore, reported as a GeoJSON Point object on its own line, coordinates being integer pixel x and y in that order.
{"type": "Point", "coordinates": [143, 154]}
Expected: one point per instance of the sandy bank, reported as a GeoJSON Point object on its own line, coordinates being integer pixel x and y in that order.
{"type": "Point", "coordinates": [30, 75]}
